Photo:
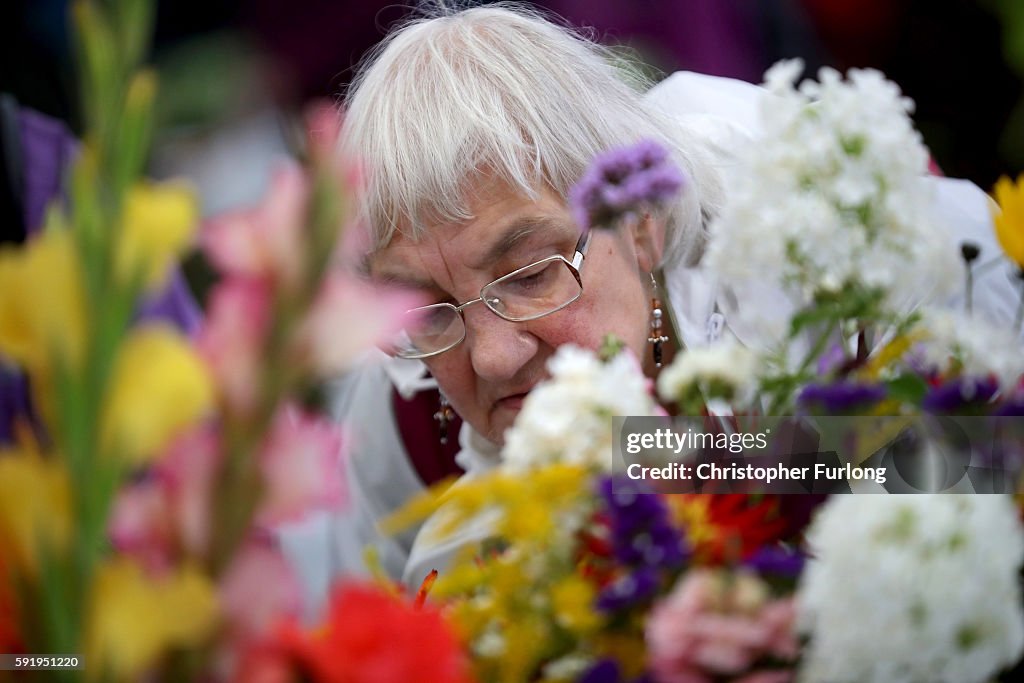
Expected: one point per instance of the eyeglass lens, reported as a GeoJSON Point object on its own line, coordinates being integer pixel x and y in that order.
{"type": "Point", "coordinates": [526, 294]}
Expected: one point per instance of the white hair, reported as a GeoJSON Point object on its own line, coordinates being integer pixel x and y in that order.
{"type": "Point", "coordinates": [502, 91]}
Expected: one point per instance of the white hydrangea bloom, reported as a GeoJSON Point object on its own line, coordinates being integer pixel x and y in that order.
{"type": "Point", "coordinates": [833, 194]}
{"type": "Point", "coordinates": [912, 589]}
{"type": "Point", "coordinates": [569, 417]}
{"type": "Point", "coordinates": [727, 365]}
{"type": "Point", "coordinates": [979, 347]}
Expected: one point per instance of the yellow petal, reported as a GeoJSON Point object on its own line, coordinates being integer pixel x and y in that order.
{"type": "Point", "coordinates": [572, 599]}
{"type": "Point", "coordinates": [158, 387]}
{"type": "Point", "coordinates": [35, 508]}
{"type": "Point", "coordinates": [42, 303]}
{"type": "Point", "coordinates": [159, 221]}
{"type": "Point", "coordinates": [1009, 219]}
{"type": "Point", "coordinates": [134, 618]}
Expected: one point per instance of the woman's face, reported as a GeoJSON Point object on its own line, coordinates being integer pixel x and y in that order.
{"type": "Point", "coordinates": [488, 375]}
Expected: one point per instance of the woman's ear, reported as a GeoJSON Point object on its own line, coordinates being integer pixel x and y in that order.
{"type": "Point", "coordinates": [648, 236]}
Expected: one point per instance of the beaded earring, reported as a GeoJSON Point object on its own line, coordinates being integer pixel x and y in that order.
{"type": "Point", "coordinates": [657, 338]}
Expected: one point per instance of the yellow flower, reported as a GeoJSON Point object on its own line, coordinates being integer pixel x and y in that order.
{"type": "Point", "coordinates": [133, 618]}
{"type": "Point", "coordinates": [889, 354]}
{"type": "Point", "coordinates": [158, 387]}
{"type": "Point", "coordinates": [573, 601]}
{"type": "Point", "coordinates": [1009, 221]}
{"type": "Point", "coordinates": [35, 508]}
{"type": "Point", "coordinates": [159, 220]}
{"type": "Point", "coordinates": [691, 512]}
{"type": "Point", "coordinates": [42, 304]}
{"type": "Point", "coordinates": [527, 522]}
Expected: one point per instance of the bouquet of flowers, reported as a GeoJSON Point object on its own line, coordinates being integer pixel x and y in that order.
{"type": "Point", "coordinates": [578, 572]}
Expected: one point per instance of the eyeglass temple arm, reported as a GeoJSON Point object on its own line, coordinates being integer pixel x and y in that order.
{"type": "Point", "coordinates": [581, 249]}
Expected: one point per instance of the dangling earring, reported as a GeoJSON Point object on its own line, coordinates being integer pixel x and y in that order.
{"type": "Point", "coordinates": [657, 338]}
{"type": "Point", "coordinates": [444, 415]}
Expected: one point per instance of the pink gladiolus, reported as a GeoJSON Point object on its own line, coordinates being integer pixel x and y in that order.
{"type": "Point", "coordinates": [188, 472]}
{"type": "Point", "coordinates": [231, 339]}
{"type": "Point", "coordinates": [323, 124]}
{"type": "Point", "coordinates": [710, 626]}
{"type": "Point", "coordinates": [258, 589]}
{"type": "Point", "coordinates": [140, 524]}
{"type": "Point", "coordinates": [350, 317]}
{"type": "Point", "coordinates": [301, 462]}
{"type": "Point", "coordinates": [264, 242]}
{"type": "Point", "coordinates": [168, 512]}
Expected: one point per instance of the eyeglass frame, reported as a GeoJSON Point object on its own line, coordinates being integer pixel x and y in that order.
{"type": "Point", "coordinates": [575, 267]}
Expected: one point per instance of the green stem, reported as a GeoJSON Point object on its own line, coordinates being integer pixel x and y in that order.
{"type": "Point", "coordinates": [782, 396]}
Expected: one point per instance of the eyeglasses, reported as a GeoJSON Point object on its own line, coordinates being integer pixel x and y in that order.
{"type": "Point", "coordinates": [527, 293]}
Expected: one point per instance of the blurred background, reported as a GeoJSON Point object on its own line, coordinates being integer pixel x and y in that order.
{"type": "Point", "coordinates": [235, 72]}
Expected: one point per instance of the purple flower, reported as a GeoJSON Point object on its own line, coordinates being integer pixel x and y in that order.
{"type": "Point", "coordinates": [832, 360]}
{"type": "Point", "coordinates": [1012, 406]}
{"type": "Point", "coordinates": [960, 394]}
{"type": "Point", "coordinates": [608, 671]}
{"type": "Point", "coordinates": [840, 398]}
{"type": "Point", "coordinates": [629, 590]}
{"type": "Point", "coordinates": [776, 560]}
{"type": "Point", "coordinates": [641, 532]}
{"type": "Point", "coordinates": [623, 180]}
{"type": "Point", "coordinates": [16, 406]}
{"type": "Point", "coordinates": [603, 671]}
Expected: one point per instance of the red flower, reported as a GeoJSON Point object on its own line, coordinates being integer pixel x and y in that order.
{"type": "Point", "coordinates": [595, 559]}
{"type": "Point", "coordinates": [742, 523]}
{"type": "Point", "coordinates": [10, 640]}
{"type": "Point", "coordinates": [372, 636]}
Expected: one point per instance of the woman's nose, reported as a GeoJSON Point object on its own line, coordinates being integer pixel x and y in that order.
{"type": "Point", "coordinates": [498, 349]}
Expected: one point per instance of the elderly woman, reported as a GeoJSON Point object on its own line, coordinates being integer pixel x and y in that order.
{"type": "Point", "coordinates": [473, 127]}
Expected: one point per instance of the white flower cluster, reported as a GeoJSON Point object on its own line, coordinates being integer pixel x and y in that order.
{"type": "Point", "coordinates": [832, 194]}
{"type": "Point", "coordinates": [727, 371]}
{"type": "Point", "coordinates": [569, 417]}
{"type": "Point", "coordinates": [912, 589]}
{"type": "Point", "coordinates": [977, 346]}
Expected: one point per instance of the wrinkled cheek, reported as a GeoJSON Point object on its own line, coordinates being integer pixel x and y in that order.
{"type": "Point", "coordinates": [454, 374]}
{"type": "Point", "coordinates": [588, 322]}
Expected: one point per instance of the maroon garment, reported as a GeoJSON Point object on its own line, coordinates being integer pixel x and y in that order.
{"type": "Point", "coordinates": [432, 460]}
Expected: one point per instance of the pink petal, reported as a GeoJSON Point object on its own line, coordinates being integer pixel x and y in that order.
{"type": "Point", "coordinates": [302, 466]}
{"type": "Point", "coordinates": [266, 241]}
{"type": "Point", "coordinates": [140, 525]}
{"type": "Point", "coordinates": [323, 125]}
{"type": "Point", "coordinates": [259, 588]}
{"type": "Point", "coordinates": [736, 630]}
{"type": "Point", "coordinates": [722, 658]}
{"type": "Point", "coordinates": [231, 339]}
{"type": "Point", "coordinates": [188, 472]}
{"type": "Point", "coordinates": [349, 318]}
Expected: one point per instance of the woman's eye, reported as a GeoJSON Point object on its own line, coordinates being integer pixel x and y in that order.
{"type": "Point", "coordinates": [534, 278]}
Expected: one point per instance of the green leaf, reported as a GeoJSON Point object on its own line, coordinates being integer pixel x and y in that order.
{"type": "Point", "coordinates": [611, 346]}
{"type": "Point", "coordinates": [908, 388]}
{"type": "Point", "coordinates": [128, 159]}
{"type": "Point", "coordinates": [99, 69]}
{"type": "Point", "coordinates": [134, 24]}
